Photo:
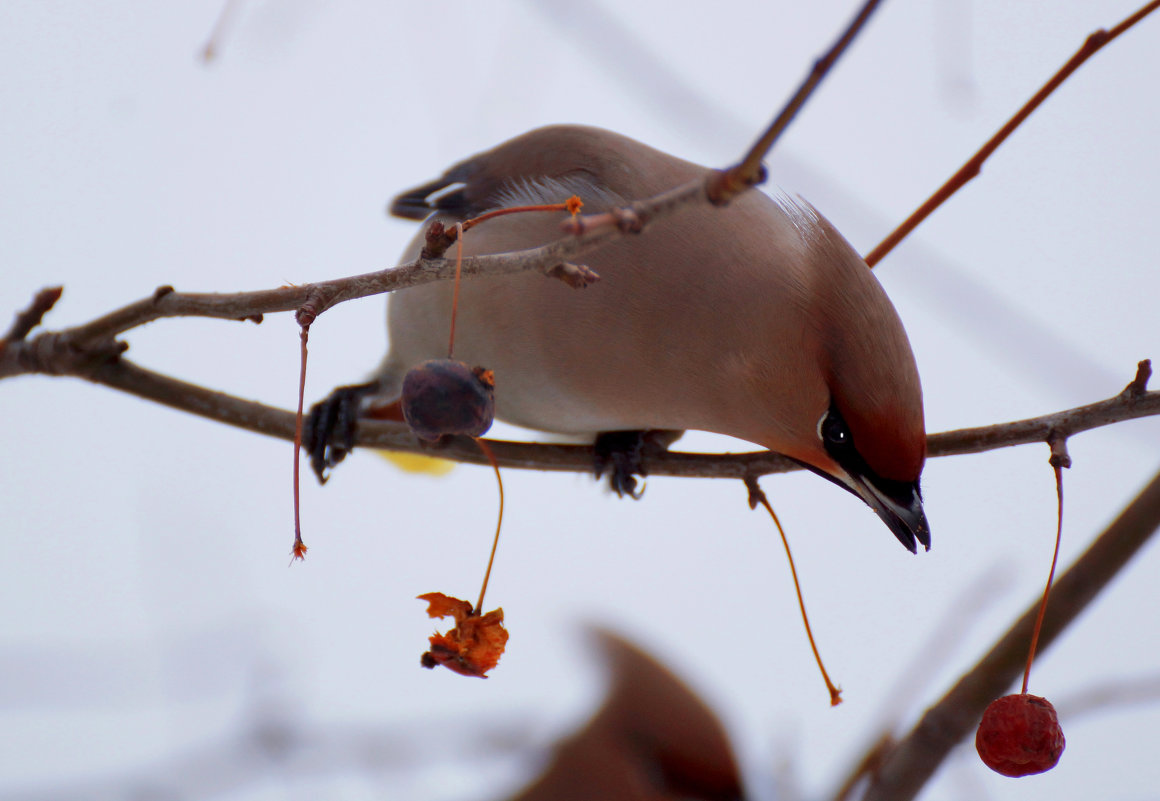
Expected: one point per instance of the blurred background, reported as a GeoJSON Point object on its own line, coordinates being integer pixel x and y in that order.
{"type": "Point", "coordinates": [153, 642]}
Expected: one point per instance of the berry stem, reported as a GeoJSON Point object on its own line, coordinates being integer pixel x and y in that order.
{"type": "Point", "coordinates": [1050, 576]}
{"type": "Point", "coordinates": [483, 446]}
{"type": "Point", "coordinates": [835, 692]}
{"type": "Point", "coordinates": [298, 551]}
{"type": "Point", "coordinates": [455, 296]}
{"type": "Point", "coordinates": [572, 206]}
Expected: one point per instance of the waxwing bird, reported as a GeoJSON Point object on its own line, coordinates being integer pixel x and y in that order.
{"type": "Point", "coordinates": [652, 739]}
{"type": "Point", "coordinates": [756, 320]}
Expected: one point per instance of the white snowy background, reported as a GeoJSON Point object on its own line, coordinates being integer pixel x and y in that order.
{"type": "Point", "coordinates": [153, 642]}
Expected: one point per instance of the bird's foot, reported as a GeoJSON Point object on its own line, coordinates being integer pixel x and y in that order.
{"type": "Point", "coordinates": [623, 454]}
{"type": "Point", "coordinates": [328, 431]}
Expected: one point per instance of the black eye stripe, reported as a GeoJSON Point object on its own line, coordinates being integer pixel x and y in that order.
{"type": "Point", "coordinates": [839, 444]}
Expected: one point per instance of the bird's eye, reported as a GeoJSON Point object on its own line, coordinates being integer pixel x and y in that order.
{"type": "Point", "coordinates": [834, 431]}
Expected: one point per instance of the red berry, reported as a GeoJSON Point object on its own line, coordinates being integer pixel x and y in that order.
{"type": "Point", "coordinates": [1020, 735]}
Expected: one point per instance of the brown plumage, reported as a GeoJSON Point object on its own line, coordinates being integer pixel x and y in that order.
{"type": "Point", "coordinates": [653, 739]}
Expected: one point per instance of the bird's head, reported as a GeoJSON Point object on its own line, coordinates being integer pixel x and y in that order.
{"type": "Point", "coordinates": [881, 464]}
{"type": "Point", "coordinates": [863, 427]}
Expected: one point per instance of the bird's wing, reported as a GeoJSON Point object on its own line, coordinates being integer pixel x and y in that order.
{"type": "Point", "coordinates": [569, 154]}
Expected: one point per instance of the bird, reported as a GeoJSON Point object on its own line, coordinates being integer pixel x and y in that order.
{"type": "Point", "coordinates": [756, 320]}
{"type": "Point", "coordinates": [652, 739]}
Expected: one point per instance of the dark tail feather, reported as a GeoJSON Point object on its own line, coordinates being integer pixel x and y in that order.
{"type": "Point", "coordinates": [413, 204]}
{"type": "Point", "coordinates": [447, 193]}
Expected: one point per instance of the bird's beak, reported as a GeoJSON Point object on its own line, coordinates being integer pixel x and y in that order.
{"type": "Point", "coordinates": [898, 503]}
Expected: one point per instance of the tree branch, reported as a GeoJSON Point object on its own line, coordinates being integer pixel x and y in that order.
{"type": "Point", "coordinates": [315, 297]}
{"type": "Point", "coordinates": [722, 186]}
{"type": "Point", "coordinates": [28, 319]}
{"type": "Point", "coordinates": [91, 351]}
{"type": "Point", "coordinates": [726, 184]}
{"type": "Point", "coordinates": [582, 234]}
{"type": "Point", "coordinates": [918, 755]}
{"type": "Point", "coordinates": [104, 365]}
{"type": "Point", "coordinates": [974, 165]}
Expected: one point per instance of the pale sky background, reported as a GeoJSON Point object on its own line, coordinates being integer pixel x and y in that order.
{"type": "Point", "coordinates": [147, 615]}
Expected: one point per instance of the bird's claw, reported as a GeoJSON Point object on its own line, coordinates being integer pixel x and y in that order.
{"type": "Point", "coordinates": [625, 452]}
{"type": "Point", "coordinates": [622, 454]}
{"type": "Point", "coordinates": [328, 432]}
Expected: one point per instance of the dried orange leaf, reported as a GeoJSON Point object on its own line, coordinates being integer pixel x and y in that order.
{"type": "Point", "coordinates": [440, 605]}
{"type": "Point", "coordinates": [476, 643]}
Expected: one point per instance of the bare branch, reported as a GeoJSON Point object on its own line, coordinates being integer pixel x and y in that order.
{"type": "Point", "coordinates": [89, 351]}
{"type": "Point", "coordinates": [918, 755]}
{"type": "Point", "coordinates": [724, 185]}
{"type": "Point", "coordinates": [1056, 426]}
{"type": "Point", "coordinates": [103, 365]}
{"type": "Point", "coordinates": [30, 318]}
{"type": "Point", "coordinates": [974, 164]}
{"type": "Point", "coordinates": [318, 297]}
{"type": "Point", "coordinates": [553, 259]}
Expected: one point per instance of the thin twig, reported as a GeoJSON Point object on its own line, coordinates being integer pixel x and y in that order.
{"type": "Point", "coordinates": [311, 300]}
{"type": "Point", "coordinates": [974, 165]}
{"type": "Point", "coordinates": [28, 319]}
{"type": "Point", "coordinates": [719, 187]}
{"type": "Point", "coordinates": [918, 755]}
{"type": "Point", "coordinates": [165, 302]}
{"type": "Point", "coordinates": [583, 235]}
{"type": "Point", "coordinates": [321, 296]}
{"type": "Point", "coordinates": [119, 373]}
{"type": "Point", "coordinates": [724, 185]}
{"type": "Point", "coordinates": [213, 44]}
